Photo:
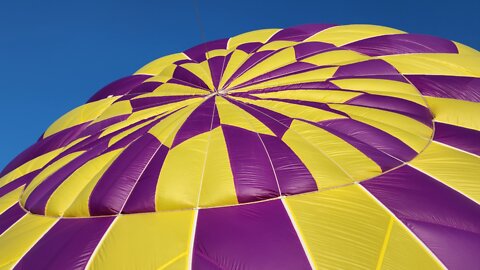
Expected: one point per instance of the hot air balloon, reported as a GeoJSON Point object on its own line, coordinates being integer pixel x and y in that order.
{"type": "Point", "coordinates": [311, 147]}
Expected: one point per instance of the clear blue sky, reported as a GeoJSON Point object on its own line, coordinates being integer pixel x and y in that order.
{"type": "Point", "coordinates": [54, 54]}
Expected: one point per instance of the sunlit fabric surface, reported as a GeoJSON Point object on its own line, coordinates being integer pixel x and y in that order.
{"type": "Point", "coordinates": [316, 146]}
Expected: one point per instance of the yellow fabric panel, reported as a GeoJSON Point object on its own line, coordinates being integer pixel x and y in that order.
{"type": "Point", "coordinates": [294, 110]}
{"type": "Point", "coordinates": [146, 241]}
{"type": "Point", "coordinates": [344, 34]}
{"type": "Point", "coordinates": [84, 113]}
{"type": "Point", "coordinates": [165, 75]}
{"type": "Point", "coordinates": [277, 45]}
{"type": "Point", "coordinates": [73, 193]}
{"type": "Point", "coordinates": [18, 239]}
{"type": "Point", "coordinates": [74, 142]}
{"type": "Point", "coordinates": [173, 89]}
{"type": "Point", "coordinates": [232, 115]}
{"type": "Point", "coordinates": [466, 50]}
{"type": "Point", "coordinates": [382, 87]}
{"type": "Point", "coordinates": [167, 128]}
{"type": "Point", "coordinates": [455, 112]}
{"type": "Point", "coordinates": [29, 166]}
{"type": "Point", "coordinates": [325, 171]}
{"type": "Point", "coordinates": [162, 109]}
{"type": "Point", "coordinates": [274, 61]}
{"type": "Point", "coordinates": [155, 112]}
{"type": "Point", "coordinates": [455, 168]}
{"type": "Point", "coordinates": [128, 124]}
{"type": "Point", "coordinates": [342, 57]}
{"type": "Point", "coordinates": [202, 71]}
{"type": "Point", "coordinates": [47, 172]}
{"type": "Point", "coordinates": [324, 96]}
{"type": "Point", "coordinates": [178, 188]}
{"type": "Point", "coordinates": [127, 132]}
{"type": "Point", "coordinates": [218, 52]}
{"type": "Point", "coordinates": [304, 77]}
{"type": "Point", "coordinates": [9, 199]}
{"type": "Point", "coordinates": [416, 142]}
{"type": "Point", "coordinates": [118, 108]}
{"type": "Point", "coordinates": [236, 60]}
{"type": "Point", "coordinates": [346, 156]}
{"type": "Point", "coordinates": [435, 64]}
{"type": "Point", "coordinates": [411, 132]}
{"type": "Point", "coordinates": [345, 228]}
{"type": "Point", "coordinates": [79, 115]}
{"type": "Point", "coordinates": [218, 174]}
{"type": "Point", "coordinates": [156, 66]}
{"type": "Point", "coordinates": [405, 252]}
{"type": "Point", "coordinates": [253, 36]}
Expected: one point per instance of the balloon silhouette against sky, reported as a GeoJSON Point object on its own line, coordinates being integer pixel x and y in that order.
{"type": "Point", "coordinates": [316, 146]}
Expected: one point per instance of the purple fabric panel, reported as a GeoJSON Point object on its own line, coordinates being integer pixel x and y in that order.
{"type": "Point", "coordinates": [249, 63]}
{"type": "Point", "coordinates": [292, 175]}
{"type": "Point", "coordinates": [276, 122]}
{"type": "Point", "coordinates": [290, 34]}
{"type": "Point", "coordinates": [398, 78]}
{"type": "Point", "coordinates": [290, 69]}
{"type": "Point", "coordinates": [254, 236]}
{"type": "Point", "coordinates": [197, 53]}
{"type": "Point", "coordinates": [216, 65]}
{"type": "Point", "coordinates": [457, 249]}
{"type": "Point", "coordinates": [132, 137]}
{"type": "Point", "coordinates": [410, 194]}
{"type": "Point", "coordinates": [38, 199]}
{"type": "Point", "coordinates": [458, 137]}
{"type": "Point", "coordinates": [23, 180]}
{"type": "Point", "coordinates": [184, 61]}
{"type": "Point", "coordinates": [109, 195]}
{"type": "Point", "coordinates": [119, 87]}
{"type": "Point", "coordinates": [402, 44]}
{"type": "Point", "coordinates": [383, 160]}
{"type": "Point", "coordinates": [150, 102]}
{"type": "Point", "coordinates": [94, 141]}
{"type": "Point", "coordinates": [465, 88]}
{"type": "Point", "coordinates": [300, 32]}
{"type": "Point", "coordinates": [175, 81]}
{"type": "Point", "coordinates": [146, 87]}
{"type": "Point", "coordinates": [46, 145]}
{"type": "Point", "coordinates": [445, 220]}
{"type": "Point", "coordinates": [285, 70]}
{"type": "Point", "coordinates": [307, 49]}
{"type": "Point", "coordinates": [317, 105]}
{"type": "Point", "coordinates": [100, 126]}
{"type": "Point", "coordinates": [198, 122]}
{"type": "Point", "coordinates": [128, 96]}
{"type": "Point", "coordinates": [67, 245]}
{"type": "Point", "coordinates": [142, 198]}
{"type": "Point", "coordinates": [401, 106]}
{"type": "Point", "coordinates": [369, 67]}
{"type": "Point", "coordinates": [185, 75]}
{"type": "Point", "coordinates": [249, 47]}
{"type": "Point", "coordinates": [252, 172]}
{"type": "Point", "coordinates": [84, 145]}
{"type": "Point", "coordinates": [372, 136]}
{"type": "Point", "coordinates": [10, 216]}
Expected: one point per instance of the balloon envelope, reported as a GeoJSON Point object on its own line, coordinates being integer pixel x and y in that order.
{"type": "Point", "coordinates": [316, 146]}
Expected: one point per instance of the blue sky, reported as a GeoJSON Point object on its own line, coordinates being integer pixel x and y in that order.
{"type": "Point", "coordinates": [54, 55]}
